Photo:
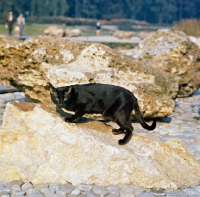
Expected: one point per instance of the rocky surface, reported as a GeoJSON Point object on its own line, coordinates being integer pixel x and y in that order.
{"type": "Point", "coordinates": [35, 63]}
{"type": "Point", "coordinates": [38, 146]}
{"type": "Point", "coordinates": [172, 52]}
{"type": "Point", "coordinates": [18, 188]}
{"type": "Point", "coordinates": [183, 125]}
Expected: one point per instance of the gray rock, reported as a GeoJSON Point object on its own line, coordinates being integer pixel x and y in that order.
{"type": "Point", "coordinates": [16, 182]}
{"type": "Point", "coordinates": [113, 189]}
{"type": "Point", "coordinates": [85, 188]}
{"type": "Point", "coordinates": [4, 194]}
{"type": "Point", "coordinates": [176, 193]}
{"type": "Point", "coordinates": [146, 194]}
{"type": "Point", "coordinates": [32, 191]}
{"type": "Point", "coordinates": [35, 195]}
{"type": "Point", "coordinates": [99, 191]}
{"type": "Point", "coordinates": [38, 187]}
{"type": "Point", "coordinates": [191, 191]}
{"type": "Point", "coordinates": [139, 191]}
{"type": "Point", "coordinates": [17, 193]}
{"type": "Point", "coordinates": [54, 195]}
{"type": "Point", "coordinates": [66, 189]}
{"type": "Point", "coordinates": [76, 192]}
{"type": "Point", "coordinates": [53, 187]}
{"type": "Point", "coordinates": [72, 195]}
{"type": "Point", "coordinates": [112, 195]}
{"type": "Point", "coordinates": [88, 194]}
{"type": "Point", "coordinates": [197, 188]}
{"type": "Point", "coordinates": [16, 187]}
{"type": "Point", "coordinates": [26, 186]}
{"type": "Point", "coordinates": [158, 192]}
{"type": "Point", "coordinates": [127, 191]}
{"type": "Point", "coordinates": [46, 191]}
{"type": "Point", "coordinates": [4, 187]}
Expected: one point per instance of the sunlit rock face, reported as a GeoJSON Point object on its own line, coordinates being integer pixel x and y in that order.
{"type": "Point", "coordinates": [37, 146]}
{"type": "Point", "coordinates": [35, 63]}
{"type": "Point", "coordinates": [172, 52]}
{"type": "Point", "coordinates": [54, 31]}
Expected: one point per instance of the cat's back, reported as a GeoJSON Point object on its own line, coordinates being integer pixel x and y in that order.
{"type": "Point", "coordinates": [102, 90]}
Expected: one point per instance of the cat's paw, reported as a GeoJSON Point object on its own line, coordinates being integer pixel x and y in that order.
{"type": "Point", "coordinates": [121, 142]}
{"type": "Point", "coordinates": [69, 120]}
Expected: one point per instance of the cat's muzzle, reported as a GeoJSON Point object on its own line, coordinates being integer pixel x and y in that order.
{"type": "Point", "coordinates": [60, 105]}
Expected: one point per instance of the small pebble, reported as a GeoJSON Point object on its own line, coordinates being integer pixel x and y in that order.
{"type": "Point", "coordinates": [146, 194]}
{"type": "Point", "coordinates": [76, 192]}
{"type": "Point", "coordinates": [113, 189]}
{"type": "Point", "coordinates": [85, 188]}
{"type": "Point", "coordinates": [4, 194]}
{"type": "Point", "coordinates": [53, 187]}
{"type": "Point", "coordinates": [88, 194]}
{"type": "Point", "coordinates": [191, 191]}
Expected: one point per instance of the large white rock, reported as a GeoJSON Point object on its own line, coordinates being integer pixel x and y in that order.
{"type": "Point", "coordinates": [38, 146]}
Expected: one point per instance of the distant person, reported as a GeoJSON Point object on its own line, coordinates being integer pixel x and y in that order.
{"type": "Point", "coordinates": [10, 20]}
{"type": "Point", "coordinates": [98, 28]}
{"type": "Point", "coordinates": [21, 24]}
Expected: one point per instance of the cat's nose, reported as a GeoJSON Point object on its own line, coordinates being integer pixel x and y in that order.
{"type": "Point", "coordinates": [60, 105]}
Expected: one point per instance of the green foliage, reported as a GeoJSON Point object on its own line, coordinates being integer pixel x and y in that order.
{"type": "Point", "coordinates": [153, 11]}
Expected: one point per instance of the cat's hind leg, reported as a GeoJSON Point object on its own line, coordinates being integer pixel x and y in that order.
{"type": "Point", "coordinates": [125, 126]}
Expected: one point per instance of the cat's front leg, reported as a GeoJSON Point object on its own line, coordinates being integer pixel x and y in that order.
{"type": "Point", "coordinates": [71, 119]}
{"type": "Point", "coordinates": [78, 114]}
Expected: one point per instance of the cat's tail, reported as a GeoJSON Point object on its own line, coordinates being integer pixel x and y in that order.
{"type": "Point", "coordinates": [141, 119]}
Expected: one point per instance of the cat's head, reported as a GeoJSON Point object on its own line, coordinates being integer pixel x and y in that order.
{"type": "Point", "coordinates": [60, 95]}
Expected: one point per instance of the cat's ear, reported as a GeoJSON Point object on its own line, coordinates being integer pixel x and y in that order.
{"type": "Point", "coordinates": [52, 89]}
{"type": "Point", "coordinates": [69, 89]}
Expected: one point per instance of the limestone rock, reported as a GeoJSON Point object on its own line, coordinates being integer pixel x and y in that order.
{"type": "Point", "coordinates": [146, 34]}
{"type": "Point", "coordinates": [196, 40]}
{"type": "Point", "coordinates": [54, 31]}
{"type": "Point", "coordinates": [38, 146]}
{"type": "Point", "coordinates": [72, 32]}
{"type": "Point", "coordinates": [172, 52]}
{"type": "Point", "coordinates": [33, 64]}
{"type": "Point", "coordinates": [123, 34]}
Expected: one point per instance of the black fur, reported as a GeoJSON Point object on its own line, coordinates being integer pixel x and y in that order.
{"type": "Point", "coordinates": [108, 100]}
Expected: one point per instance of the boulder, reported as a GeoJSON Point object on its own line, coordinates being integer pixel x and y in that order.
{"type": "Point", "coordinates": [38, 146]}
{"type": "Point", "coordinates": [145, 34]}
{"type": "Point", "coordinates": [35, 63]}
{"type": "Point", "coordinates": [54, 31]}
{"type": "Point", "coordinates": [124, 34]}
{"type": "Point", "coordinates": [72, 32]}
{"type": "Point", "coordinates": [172, 52]}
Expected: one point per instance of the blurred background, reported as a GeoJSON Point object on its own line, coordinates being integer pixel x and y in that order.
{"type": "Point", "coordinates": [113, 15]}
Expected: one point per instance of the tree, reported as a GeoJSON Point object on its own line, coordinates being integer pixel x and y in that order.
{"type": "Point", "coordinates": [153, 11]}
{"type": "Point", "coordinates": [132, 8]}
{"type": "Point", "coordinates": [165, 11]}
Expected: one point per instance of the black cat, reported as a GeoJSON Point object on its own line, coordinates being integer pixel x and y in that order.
{"type": "Point", "coordinates": [108, 100]}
